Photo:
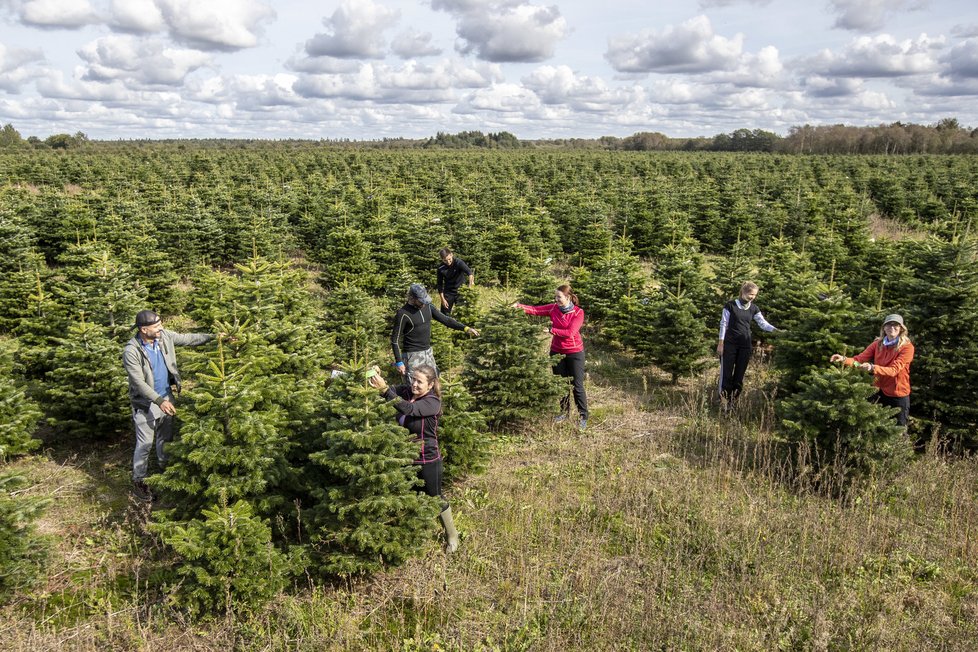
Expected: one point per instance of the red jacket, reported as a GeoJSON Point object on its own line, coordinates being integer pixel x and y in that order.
{"type": "Point", "coordinates": [891, 367]}
{"type": "Point", "coordinates": [566, 328]}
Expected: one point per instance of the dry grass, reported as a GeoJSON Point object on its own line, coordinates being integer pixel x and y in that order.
{"type": "Point", "coordinates": [662, 526]}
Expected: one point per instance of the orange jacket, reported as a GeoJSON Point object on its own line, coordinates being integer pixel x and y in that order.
{"type": "Point", "coordinates": [891, 367]}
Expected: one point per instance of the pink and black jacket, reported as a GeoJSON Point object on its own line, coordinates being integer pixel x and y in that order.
{"type": "Point", "coordinates": [420, 416]}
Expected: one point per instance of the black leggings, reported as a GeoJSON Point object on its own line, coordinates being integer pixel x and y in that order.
{"type": "Point", "coordinates": [733, 366]}
{"type": "Point", "coordinates": [572, 366]}
{"type": "Point", "coordinates": [431, 474]}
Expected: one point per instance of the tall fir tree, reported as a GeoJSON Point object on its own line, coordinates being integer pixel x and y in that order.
{"type": "Point", "coordinates": [510, 259]}
{"type": "Point", "coordinates": [463, 435]}
{"type": "Point", "coordinates": [356, 320]}
{"type": "Point", "coordinates": [508, 370]}
{"type": "Point", "coordinates": [19, 415]}
{"type": "Point", "coordinates": [787, 283]}
{"type": "Point", "coordinates": [85, 393]}
{"type": "Point", "coordinates": [606, 281]}
{"type": "Point", "coordinates": [234, 441]}
{"type": "Point", "coordinates": [364, 511]}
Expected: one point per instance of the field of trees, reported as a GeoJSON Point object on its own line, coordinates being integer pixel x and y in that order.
{"type": "Point", "coordinates": [287, 518]}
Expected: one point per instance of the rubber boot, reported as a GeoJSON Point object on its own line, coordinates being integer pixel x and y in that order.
{"type": "Point", "coordinates": [450, 532]}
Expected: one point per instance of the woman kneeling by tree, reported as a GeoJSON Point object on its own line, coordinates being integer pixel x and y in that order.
{"type": "Point", "coordinates": [888, 358]}
{"type": "Point", "coordinates": [419, 406]}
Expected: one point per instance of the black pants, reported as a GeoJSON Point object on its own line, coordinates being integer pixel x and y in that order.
{"type": "Point", "coordinates": [431, 474]}
{"type": "Point", "coordinates": [450, 300]}
{"type": "Point", "coordinates": [733, 366]}
{"type": "Point", "coordinates": [902, 402]}
{"type": "Point", "coordinates": [572, 366]}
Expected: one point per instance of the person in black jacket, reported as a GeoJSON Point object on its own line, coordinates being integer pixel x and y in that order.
{"type": "Point", "coordinates": [419, 408]}
{"type": "Point", "coordinates": [452, 274]}
{"type": "Point", "coordinates": [735, 344]}
{"type": "Point", "coordinates": [411, 335]}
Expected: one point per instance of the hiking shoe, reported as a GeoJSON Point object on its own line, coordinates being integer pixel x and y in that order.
{"type": "Point", "coordinates": [141, 491]}
{"type": "Point", "coordinates": [582, 424]}
{"type": "Point", "coordinates": [560, 418]}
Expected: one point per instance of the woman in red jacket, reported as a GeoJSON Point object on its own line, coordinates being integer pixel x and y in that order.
{"type": "Point", "coordinates": [888, 358]}
{"type": "Point", "coordinates": [566, 319]}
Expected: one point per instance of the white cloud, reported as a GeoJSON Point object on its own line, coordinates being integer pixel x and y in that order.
{"type": "Point", "coordinates": [507, 31]}
{"type": "Point", "coordinates": [412, 82]}
{"type": "Point", "coordinates": [840, 87]}
{"type": "Point", "coordinates": [761, 70]}
{"type": "Point", "coordinates": [216, 24]}
{"type": "Point", "coordinates": [870, 15]}
{"type": "Point", "coordinates": [15, 68]}
{"type": "Point", "coordinates": [68, 14]}
{"type": "Point", "coordinates": [943, 86]}
{"type": "Point", "coordinates": [136, 16]}
{"type": "Point", "coordinates": [706, 4]}
{"type": "Point", "coordinates": [356, 31]}
{"type": "Point", "coordinates": [962, 60]}
{"type": "Point", "coordinates": [692, 47]}
{"type": "Point", "coordinates": [878, 56]}
{"type": "Point", "coordinates": [247, 92]}
{"type": "Point", "coordinates": [559, 85]}
{"type": "Point", "coordinates": [500, 98]}
{"type": "Point", "coordinates": [965, 31]}
{"type": "Point", "coordinates": [139, 62]}
{"type": "Point", "coordinates": [411, 44]}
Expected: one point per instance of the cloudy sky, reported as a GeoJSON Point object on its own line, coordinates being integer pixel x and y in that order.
{"type": "Point", "coordinates": [366, 69]}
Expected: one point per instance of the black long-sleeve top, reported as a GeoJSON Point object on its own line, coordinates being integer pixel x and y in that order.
{"type": "Point", "coordinates": [420, 416]}
{"type": "Point", "coordinates": [452, 277]}
{"type": "Point", "coordinates": [413, 325]}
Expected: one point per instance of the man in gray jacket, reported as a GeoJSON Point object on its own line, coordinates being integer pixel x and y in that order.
{"type": "Point", "coordinates": [151, 366]}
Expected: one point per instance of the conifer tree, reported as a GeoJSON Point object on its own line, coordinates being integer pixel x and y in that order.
{"type": "Point", "coordinates": [463, 435]}
{"type": "Point", "coordinates": [233, 438]}
{"type": "Point", "coordinates": [345, 256]}
{"type": "Point", "coordinates": [609, 278]}
{"type": "Point", "coordinates": [226, 560]}
{"type": "Point", "coordinates": [19, 263]}
{"type": "Point", "coordinates": [509, 260]}
{"type": "Point", "coordinates": [86, 393]}
{"type": "Point", "coordinates": [364, 511]}
{"type": "Point", "coordinates": [22, 550]}
{"type": "Point", "coordinates": [731, 270]}
{"type": "Point", "coordinates": [19, 414]}
{"type": "Point", "coordinates": [356, 320]}
{"type": "Point", "coordinates": [831, 411]}
{"type": "Point", "coordinates": [787, 283]}
{"type": "Point", "coordinates": [507, 368]}
{"type": "Point", "coordinates": [829, 326]}
{"type": "Point", "coordinates": [539, 286]}
{"type": "Point", "coordinates": [95, 283]}
{"type": "Point", "coordinates": [678, 346]}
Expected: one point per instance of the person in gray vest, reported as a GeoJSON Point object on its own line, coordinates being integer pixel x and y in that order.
{"type": "Point", "coordinates": [151, 366]}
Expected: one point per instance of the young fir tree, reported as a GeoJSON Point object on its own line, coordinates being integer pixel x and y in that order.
{"type": "Point", "coordinates": [345, 256]}
{"type": "Point", "coordinates": [364, 509]}
{"type": "Point", "coordinates": [539, 286]}
{"type": "Point", "coordinates": [822, 329]}
{"type": "Point", "coordinates": [226, 562]}
{"type": "Point", "coordinates": [507, 368]}
{"type": "Point", "coordinates": [22, 550]}
{"type": "Point", "coordinates": [731, 270]}
{"type": "Point", "coordinates": [42, 323]}
{"type": "Point", "coordinates": [609, 278]}
{"type": "Point", "coordinates": [19, 262]}
{"type": "Point", "coordinates": [831, 412]}
{"type": "Point", "coordinates": [679, 345]}
{"type": "Point", "coordinates": [938, 302]}
{"type": "Point", "coordinates": [357, 321]}
{"type": "Point", "coordinates": [19, 414]}
{"type": "Point", "coordinates": [86, 393]}
{"type": "Point", "coordinates": [787, 283]}
{"type": "Point", "coordinates": [233, 439]}
{"type": "Point", "coordinates": [463, 435]}
{"type": "Point", "coordinates": [510, 260]}
{"type": "Point", "coordinates": [95, 283]}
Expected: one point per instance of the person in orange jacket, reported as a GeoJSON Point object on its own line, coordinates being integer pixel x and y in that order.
{"type": "Point", "coordinates": [888, 358]}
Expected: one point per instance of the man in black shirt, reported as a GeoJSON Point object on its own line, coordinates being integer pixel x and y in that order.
{"type": "Point", "coordinates": [451, 276]}
{"type": "Point", "coordinates": [411, 335]}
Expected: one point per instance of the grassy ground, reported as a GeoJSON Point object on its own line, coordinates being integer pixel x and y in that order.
{"type": "Point", "coordinates": [663, 526]}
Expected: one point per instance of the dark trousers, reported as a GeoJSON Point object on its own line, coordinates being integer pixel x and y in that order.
{"type": "Point", "coordinates": [572, 366]}
{"type": "Point", "coordinates": [902, 402]}
{"type": "Point", "coordinates": [431, 474]}
{"type": "Point", "coordinates": [451, 298]}
{"type": "Point", "coordinates": [733, 366]}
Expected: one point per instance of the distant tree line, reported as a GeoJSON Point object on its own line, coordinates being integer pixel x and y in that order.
{"type": "Point", "coordinates": [947, 136]}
